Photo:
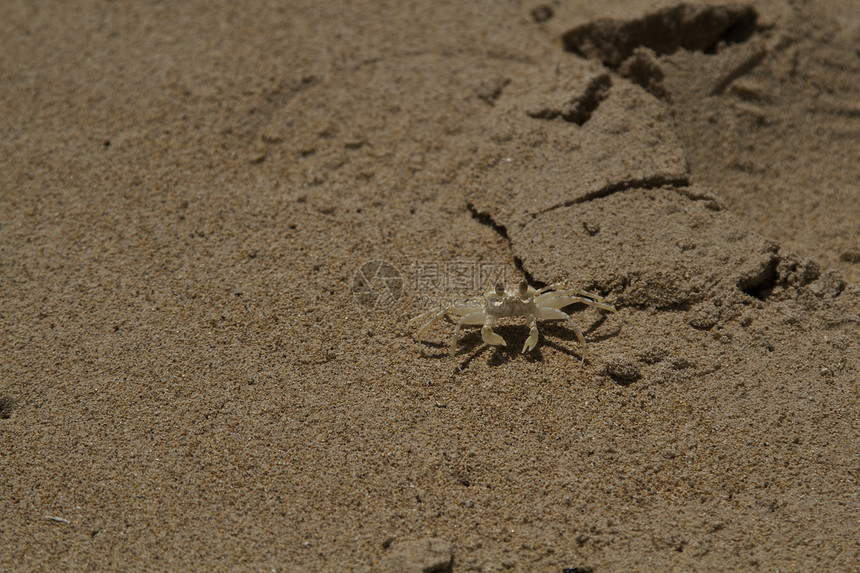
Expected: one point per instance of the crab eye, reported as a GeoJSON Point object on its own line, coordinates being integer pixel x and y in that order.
{"type": "Point", "coordinates": [524, 288]}
{"type": "Point", "coordinates": [500, 289]}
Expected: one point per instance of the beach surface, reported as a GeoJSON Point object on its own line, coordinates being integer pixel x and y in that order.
{"type": "Point", "coordinates": [217, 218]}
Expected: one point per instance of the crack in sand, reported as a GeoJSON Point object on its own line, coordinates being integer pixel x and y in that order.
{"type": "Point", "coordinates": [680, 185]}
{"type": "Point", "coordinates": [741, 68]}
{"type": "Point", "coordinates": [487, 219]}
{"type": "Point", "coordinates": [579, 109]}
{"type": "Point", "coordinates": [654, 182]}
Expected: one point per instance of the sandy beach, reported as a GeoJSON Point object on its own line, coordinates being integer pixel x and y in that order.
{"type": "Point", "coordinates": [216, 220]}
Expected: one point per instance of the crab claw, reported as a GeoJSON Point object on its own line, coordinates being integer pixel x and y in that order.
{"type": "Point", "coordinates": [531, 341]}
{"type": "Point", "coordinates": [491, 337]}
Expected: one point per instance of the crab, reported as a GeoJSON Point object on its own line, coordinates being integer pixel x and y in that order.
{"type": "Point", "coordinates": [521, 300]}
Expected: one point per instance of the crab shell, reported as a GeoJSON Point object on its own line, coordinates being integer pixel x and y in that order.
{"type": "Point", "coordinates": [521, 300]}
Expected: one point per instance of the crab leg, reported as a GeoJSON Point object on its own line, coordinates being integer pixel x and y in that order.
{"type": "Point", "coordinates": [457, 309]}
{"type": "Point", "coordinates": [547, 313]}
{"type": "Point", "coordinates": [553, 286]}
{"type": "Point", "coordinates": [532, 340]}
{"type": "Point", "coordinates": [422, 315]}
{"type": "Point", "coordinates": [438, 314]}
{"type": "Point", "coordinates": [490, 337]}
{"type": "Point", "coordinates": [472, 318]}
{"type": "Point", "coordinates": [545, 294]}
{"type": "Point", "coordinates": [563, 300]}
{"type": "Point", "coordinates": [558, 287]}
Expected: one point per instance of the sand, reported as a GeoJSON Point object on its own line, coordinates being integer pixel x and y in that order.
{"type": "Point", "coordinates": [217, 218]}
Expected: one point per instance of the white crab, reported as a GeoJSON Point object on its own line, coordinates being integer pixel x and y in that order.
{"type": "Point", "coordinates": [522, 300]}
